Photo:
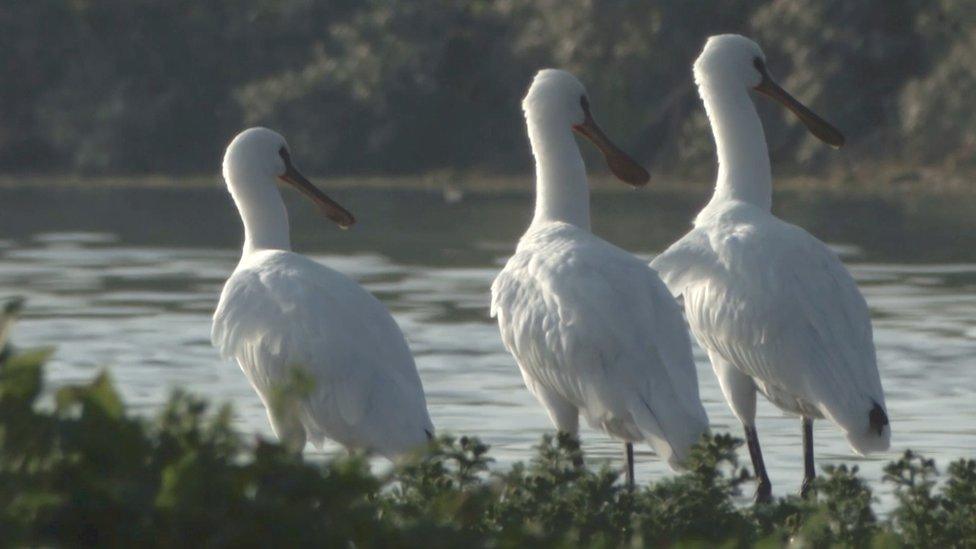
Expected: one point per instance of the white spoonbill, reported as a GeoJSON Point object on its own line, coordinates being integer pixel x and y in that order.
{"type": "Point", "coordinates": [324, 355]}
{"type": "Point", "coordinates": [593, 329]}
{"type": "Point", "coordinates": [774, 308]}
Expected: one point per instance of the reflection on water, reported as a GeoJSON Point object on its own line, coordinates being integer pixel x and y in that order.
{"type": "Point", "coordinates": [128, 279]}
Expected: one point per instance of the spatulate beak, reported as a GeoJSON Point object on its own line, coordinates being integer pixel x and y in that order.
{"type": "Point", "coordinates": [329, 207]}
{"type": "Point", "coordinates": [620, 163]}
{"type": "Point", "coordinates": [817, 126]}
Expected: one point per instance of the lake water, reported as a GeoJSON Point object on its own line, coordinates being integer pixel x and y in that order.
{"type": "Point", "coordinates": [126, 279]}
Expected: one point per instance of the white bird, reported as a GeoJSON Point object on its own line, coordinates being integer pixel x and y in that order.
{"type": "Point", "coordinates": [593, 329]}
{"type": "Point", "coordinates": [773, 307]}
{"type": "Point", "coordinates": [324, 355]}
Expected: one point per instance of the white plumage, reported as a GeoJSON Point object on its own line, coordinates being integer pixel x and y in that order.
{"type": "Point", "coordinates": [778, 305]}
{"type": "Point", "coordinates": [324, 355]}
{"type": "Point", "coordinates": [593, 329]}
{"type": "Point", "coordinates": [773, 306]}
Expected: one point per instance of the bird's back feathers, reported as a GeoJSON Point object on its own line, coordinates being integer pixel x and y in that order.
{"type": "Point", "coordinates": [593, 324]}
{"type": "Point", "coordinates": [779, 305]}
{"type": "Point", "coordinates": [295, 325]}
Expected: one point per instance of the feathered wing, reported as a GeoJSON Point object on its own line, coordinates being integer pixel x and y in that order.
{"type": "Point", "coordinates": [595, 325]}
{"type": "Point", "coordinates": [780, 306]}
{"type": "Point", "coordinates": [294, 325]}
{"type": "Point", "coordinates": [688, 261]}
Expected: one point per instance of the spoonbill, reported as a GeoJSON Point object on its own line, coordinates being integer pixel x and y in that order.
{"type": "Point", "coordinates": [592, 328]}
{"type": "Point", "coordinates": [324, 355]}
{"type": "Point", "coordinates": [773, 307]}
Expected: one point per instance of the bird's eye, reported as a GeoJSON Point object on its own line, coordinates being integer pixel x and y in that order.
{"type": "Point", "coordinates": [759, 64]}
{"type": "Point", "coordinates": [585, 103]}
{"type": "Point", "coordinates": [283, 153]}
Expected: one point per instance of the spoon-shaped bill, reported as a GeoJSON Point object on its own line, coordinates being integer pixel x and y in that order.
{"type": "Point", "coordinates": [329, 207]}
{"type": "Point", "coordinates": [817, 126]}
{"type": "Point", "coordinates": [621, 164]}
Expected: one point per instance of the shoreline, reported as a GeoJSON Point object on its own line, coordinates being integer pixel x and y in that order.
{"type": "Point", "coordinates": [867, 180]}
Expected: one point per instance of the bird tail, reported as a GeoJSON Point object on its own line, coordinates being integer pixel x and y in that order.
{"type": "Point", "coordinates": [672, 432]}
{"type": "Point", "coordinates": [867, 430]}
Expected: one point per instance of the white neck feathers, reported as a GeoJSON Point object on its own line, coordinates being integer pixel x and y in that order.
{"type": "Point", "coordinates": [562, 192]}
{"type": "Point", "coordinates": [263, 213]}
{"type": "Point", "coordinates": [743, 158]}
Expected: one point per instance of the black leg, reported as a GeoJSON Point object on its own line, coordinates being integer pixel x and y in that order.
{"type": "Point", "coordinates": [764, 490]}
{"type": "Point", "coordinates": [809, 471]}
{"type": "Point", "coordinates": [629, 450]}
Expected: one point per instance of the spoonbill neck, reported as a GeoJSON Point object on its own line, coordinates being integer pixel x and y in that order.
{"type": "Point", "coordinates": [263, 213]}
{"type": "Point", "coordinates": [743, 157]}
{"type": "Point", "coordinates": [562, 192]}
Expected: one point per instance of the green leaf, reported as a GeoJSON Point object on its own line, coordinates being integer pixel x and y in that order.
{"type": "Point", "coordinates": [98, 396]}
{"type": "Point", "coordinates": [21, 376]}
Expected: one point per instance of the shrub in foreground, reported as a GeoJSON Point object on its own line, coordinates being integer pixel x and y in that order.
{"type": "Point", "coordinates": [82, 472]}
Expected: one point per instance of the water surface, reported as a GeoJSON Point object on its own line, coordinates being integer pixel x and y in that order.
{"type": "Point", "coordinates": [127, 279]}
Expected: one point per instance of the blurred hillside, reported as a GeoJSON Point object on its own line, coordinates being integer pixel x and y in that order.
{"type": "Point", "coordinates": [144, 86]}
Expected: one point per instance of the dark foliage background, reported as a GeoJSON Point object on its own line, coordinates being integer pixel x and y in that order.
{"type": "Point", "coordinates": [149, 86]}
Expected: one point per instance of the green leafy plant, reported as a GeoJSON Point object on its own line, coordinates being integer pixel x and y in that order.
{"type": "Point", "coordinates": [81, 471]}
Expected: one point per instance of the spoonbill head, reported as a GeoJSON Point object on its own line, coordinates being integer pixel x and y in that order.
{"type": "Point", "coordinates": [557, 102]}
{"type": "Point", "coordinates": [734, 61]}
{"type": "Point", "coordinates": [258, 158]}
